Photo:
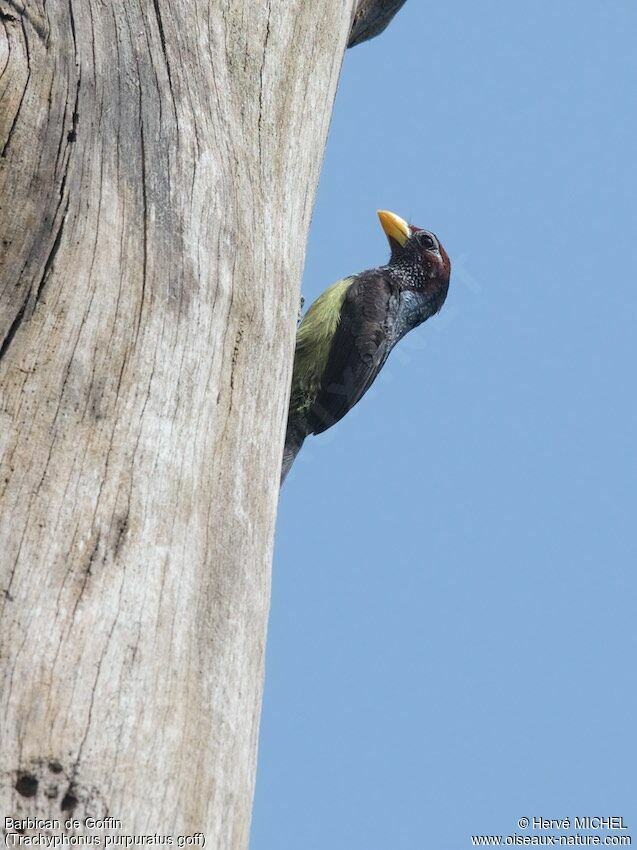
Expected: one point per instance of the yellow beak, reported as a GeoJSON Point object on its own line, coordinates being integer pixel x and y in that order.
{"type": "Point", "coordinates": [394, 226]}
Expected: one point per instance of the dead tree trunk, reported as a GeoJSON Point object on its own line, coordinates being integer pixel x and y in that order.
{"type": "Point", "coordinates": [157, 174]}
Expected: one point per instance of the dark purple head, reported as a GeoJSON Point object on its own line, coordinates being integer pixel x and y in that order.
{"type": "Point", "coordinates": [418, 255]}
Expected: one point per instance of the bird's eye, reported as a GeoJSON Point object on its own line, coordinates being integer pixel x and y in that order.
{"type": "Point", "coordinates": [426, 240]}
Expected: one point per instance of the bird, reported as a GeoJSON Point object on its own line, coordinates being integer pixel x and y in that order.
{"type": "Point", "coordinates": [346, 335]}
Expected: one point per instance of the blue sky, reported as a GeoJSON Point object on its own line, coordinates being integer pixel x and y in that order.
{"type": "Point", "coordinates": [452, 637]}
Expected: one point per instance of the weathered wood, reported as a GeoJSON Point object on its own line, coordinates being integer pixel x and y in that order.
{"type": "Point", "coordinates": [159, 162]}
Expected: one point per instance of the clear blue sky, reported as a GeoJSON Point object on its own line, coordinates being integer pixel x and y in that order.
{"type": "Point", "coordinates": [452, 639]}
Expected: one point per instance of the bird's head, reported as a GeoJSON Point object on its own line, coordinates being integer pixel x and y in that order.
{"type": "Point", "coordinates": [419, 255]}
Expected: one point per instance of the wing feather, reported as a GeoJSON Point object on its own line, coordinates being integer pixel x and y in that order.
{"type": "Point", "coordinates": [359, 348]}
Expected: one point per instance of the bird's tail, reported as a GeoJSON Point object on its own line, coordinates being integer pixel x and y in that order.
{"type": "Point", "coordinates": [294, 437]}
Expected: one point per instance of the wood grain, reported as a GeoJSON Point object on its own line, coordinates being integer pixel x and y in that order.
{"type": "Point", "coordinates": [157, 173]}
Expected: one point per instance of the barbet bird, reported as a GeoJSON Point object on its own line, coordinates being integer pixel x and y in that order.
{"type": "Point", "coordinates": [346, 335]}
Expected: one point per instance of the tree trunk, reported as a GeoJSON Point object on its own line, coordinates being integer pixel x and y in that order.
{"type": "Point", "coordinates": [158, 168]}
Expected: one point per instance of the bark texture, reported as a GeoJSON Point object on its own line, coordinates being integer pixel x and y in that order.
{"type": "Point", "coordinates": [157, 172]}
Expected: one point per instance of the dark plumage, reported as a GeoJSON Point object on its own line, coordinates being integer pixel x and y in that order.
{"type": "Point", "coordinates": [348, 332]}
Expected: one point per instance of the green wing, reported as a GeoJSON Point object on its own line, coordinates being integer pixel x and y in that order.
{"type": "Point", "coordinates": [313, 342]}
{"type": "Point", "coordinates": [358, 349]}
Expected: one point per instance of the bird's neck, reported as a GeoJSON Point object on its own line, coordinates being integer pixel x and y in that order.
{"type": "Point", "coordinates": [414, 306]}
{"type": "Point", "coordinates": [401, 274]}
